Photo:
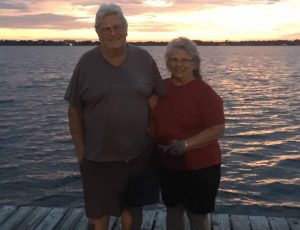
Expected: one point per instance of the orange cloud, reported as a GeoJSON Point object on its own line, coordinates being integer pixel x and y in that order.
{"type": "Point", "coordinates": [157, 19]}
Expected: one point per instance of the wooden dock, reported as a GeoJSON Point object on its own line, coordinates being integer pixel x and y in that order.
{"type": "Point", "coordinates": [45, 218]}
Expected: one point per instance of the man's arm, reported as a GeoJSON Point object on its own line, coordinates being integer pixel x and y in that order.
{"type": "Point", "coordinates": [152, 101]}
{"type": "Point", "coordinates": [76, 130]}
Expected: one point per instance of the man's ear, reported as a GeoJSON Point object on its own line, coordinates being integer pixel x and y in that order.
{"type": "Point", "coordinates": [98, 33]}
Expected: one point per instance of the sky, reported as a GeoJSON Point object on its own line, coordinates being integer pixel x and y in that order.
{"type": "Point", "coordinates": [153, 20]}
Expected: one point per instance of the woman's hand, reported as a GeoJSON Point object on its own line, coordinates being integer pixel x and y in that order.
{"type": "Point", "coordinates": [177, 148]}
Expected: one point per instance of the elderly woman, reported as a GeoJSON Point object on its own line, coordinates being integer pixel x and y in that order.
{"type": "Point", "coordinates": [111, 137]}
{"type": "Point", "coordinates": [188, 121]}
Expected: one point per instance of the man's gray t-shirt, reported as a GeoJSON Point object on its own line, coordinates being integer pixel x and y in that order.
{"type": "Point", "coordinates": [113, 102]}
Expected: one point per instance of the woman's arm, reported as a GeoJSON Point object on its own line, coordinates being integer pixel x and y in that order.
{"type": "Point", "coordinates": [76, 130]}
{"type": "Point", "coordinates": [205, 137]}
{"type": "Point", "coordinates": [199, 140]}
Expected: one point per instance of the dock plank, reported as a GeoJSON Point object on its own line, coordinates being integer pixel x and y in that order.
{"type": "Point", "coordinates": [113, 222]}
{"type": "Point", "coordinates": [278, 223]}
{"type": "Point", "coordinates": [13, 221]}
{"type": "Point", "coordinates": [82, 224]}
{"type": "Point", "coordinates": [71, 218]}
{"type": "Point", "coordinates": [294, 223]}
{"type": "Point", "coordinates": [34, 218]}
{"type": "Point", "coordinates": [5, 212]}
{"type": "Point", "coordinates": [259, 223]}
{"type": "Point", "coordinates": [148, 219]}
{"type": "Point", "coordinates": [45, 218]}
{"type": "Point", "coordinates": [186, 222]}
{"type": "Point", "coordinates": [52, 219]}
{"type": "Point", "coordinates": [118, 225]}
{"type": "Point", "coordinates": [240, 222]}
{"type": "Point", "coordinates": [220, 222]}
{"type": "Point", "coordinates": [160, 221]}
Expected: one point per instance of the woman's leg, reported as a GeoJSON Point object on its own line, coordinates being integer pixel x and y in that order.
{"type": "Point", "coordinates": [202, 188]}
{"type": "Point", "coordinates": [175, 218]}
{"type": "Point", "coordinates": [198, 221]}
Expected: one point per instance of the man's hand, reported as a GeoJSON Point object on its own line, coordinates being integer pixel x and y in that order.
{"type": "Point", "coordinates": [76, 130]}
{"type": "Point", "coordinates": [152, 101]}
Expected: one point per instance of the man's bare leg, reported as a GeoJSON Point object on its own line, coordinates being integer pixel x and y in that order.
{"type": "Point", "coordinates": [99, 224]}
{"type": "Point", "coordinates": [131, 218]}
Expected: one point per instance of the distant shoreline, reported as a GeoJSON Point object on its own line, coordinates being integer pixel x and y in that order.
{"type": "Point", "coordinates": [149, 43]}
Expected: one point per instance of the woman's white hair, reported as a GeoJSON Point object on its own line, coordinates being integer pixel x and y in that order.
{"type": "Point", "coordinates": [189, 46]}
{"type": "Point", "coordinates": [108, 9]}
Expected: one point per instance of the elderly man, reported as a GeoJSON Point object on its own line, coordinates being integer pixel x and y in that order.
{"type": "Point", "coordinates": [109, 123]}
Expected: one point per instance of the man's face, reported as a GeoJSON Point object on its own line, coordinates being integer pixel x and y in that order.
{"type": "Point", "coordinates": [112, 32]}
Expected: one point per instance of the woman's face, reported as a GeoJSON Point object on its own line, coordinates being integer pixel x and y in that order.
{"type": "Point", "coordinates": [181, 64]}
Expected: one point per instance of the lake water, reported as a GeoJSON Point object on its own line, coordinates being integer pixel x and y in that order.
{"type": "Point", "coordinates": [261, 147]}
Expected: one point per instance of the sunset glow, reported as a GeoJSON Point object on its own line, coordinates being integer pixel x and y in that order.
{"type": "Point", "coordinates": [155, 20]}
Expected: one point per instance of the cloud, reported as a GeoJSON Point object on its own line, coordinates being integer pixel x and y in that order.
{"type": "Point", "coordinates": [156, 3]}
{"type": "Point", "coordinates": [151, 27]}
{"type": "Point", "coordinates": [139, 7]}
{"type": "Point", "coordinates": [122, 3]}
{"type": "Point", "coordinates": [273, 1]}
{"type": "Point", "coordinates": [43, 21]}
{"type": "Point", "coordinates": [291, 36]}
{"type": "Point", "coordinates": [245, 2]}
{"type": "Point", "coordinates": [130, 7]}
{"type": "Point", "coordinates": [155, 17]}
{"type": "Point", "coordinates": [13, 5]}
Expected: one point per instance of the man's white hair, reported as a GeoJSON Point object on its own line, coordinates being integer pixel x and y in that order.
{"type": "Point", "coordinates": [108, 9]}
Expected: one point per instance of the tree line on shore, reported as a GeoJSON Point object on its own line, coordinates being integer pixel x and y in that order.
{"type": "Point", "coordinates": [150, 43]}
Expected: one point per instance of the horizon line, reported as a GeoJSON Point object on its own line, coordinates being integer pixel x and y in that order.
{"type": "Point", "coordinates": [145, 41]}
